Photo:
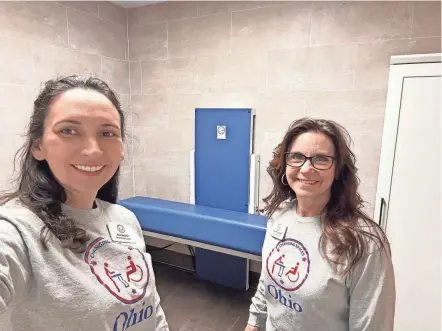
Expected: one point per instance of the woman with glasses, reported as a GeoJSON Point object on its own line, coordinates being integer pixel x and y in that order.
{"type": "Point", "coordinates": [325, 264]}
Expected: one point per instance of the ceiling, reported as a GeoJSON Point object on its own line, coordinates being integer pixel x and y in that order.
{"type": "Point", "coordinates": [133, 4]}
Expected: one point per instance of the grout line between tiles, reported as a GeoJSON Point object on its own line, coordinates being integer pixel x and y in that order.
{"type": "Point", "coordinates": [310, 24]}
{"type": "Point", "coordinates": [131, 147]}
{"type": "Point", "coordinates": [167, 40]}
{"type": "Point", "coordinates": [354, 66]}
{"type": "Point", "coordinates": [234, 323]}
{"type": "Point", "coordinates": [412, 19]}
{"type": "Point", "coordinates": [67, 28]}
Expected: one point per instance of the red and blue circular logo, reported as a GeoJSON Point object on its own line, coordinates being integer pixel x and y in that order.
{"type": "Point", "coordinates": [288, 264]}
{"type": "Point", "coordinates": [125, 275]}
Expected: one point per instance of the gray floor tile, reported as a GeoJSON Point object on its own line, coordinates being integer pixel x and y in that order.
{"type": "Point", "coordinates": [194, 305]}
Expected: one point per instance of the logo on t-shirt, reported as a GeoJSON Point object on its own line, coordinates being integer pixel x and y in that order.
{"type": "Point", "coordinates": [125, 274]}
{"type": "Point", "coordinates": [288, 264]}
{"type": "Point", "coordinates": [121, 228]}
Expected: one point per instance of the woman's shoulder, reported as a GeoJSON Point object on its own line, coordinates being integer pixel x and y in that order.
{"type": "Point", "coordinates": [373, 235]}
{"type": "Point", "coordinates": [15, 210]}
{"type": "Point", "coordinates": [116, 209]}
{"type": "Point", "coordinates": [22, 219]}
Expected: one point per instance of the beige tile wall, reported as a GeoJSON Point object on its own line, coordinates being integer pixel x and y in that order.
{"type": "Point", "coordinates": [40, 40]}
{"type": "Point", "coordinates": [286, 60]}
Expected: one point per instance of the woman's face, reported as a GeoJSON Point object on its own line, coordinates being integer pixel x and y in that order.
{"type": "Point", "coordinates": [82, 142]}
{"type": "Point", "coordinates": [307, 181]}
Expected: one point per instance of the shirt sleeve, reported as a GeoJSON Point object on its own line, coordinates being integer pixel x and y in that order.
{"type": "Point", "coordinates": [161, 323]}
{"type": "Point", "coordinates": [372, 293]}
{"type": "Point", "coordinates": [15, 267]}
{"type": "Point", "coordinates": [258, 308]}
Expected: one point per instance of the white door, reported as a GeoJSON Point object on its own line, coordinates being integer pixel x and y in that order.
{"type": "Point", "coordinates": [409, 192]}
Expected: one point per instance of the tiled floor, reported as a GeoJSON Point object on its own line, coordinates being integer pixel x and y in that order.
{"type": "Point", "coordinates": [194, 305]}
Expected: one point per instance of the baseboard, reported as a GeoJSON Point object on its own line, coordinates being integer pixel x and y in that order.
{"type": "Point", "coordinates": [185, 262]}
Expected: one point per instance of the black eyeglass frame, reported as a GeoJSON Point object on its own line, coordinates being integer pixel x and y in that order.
{"type": "Point", "coordinates": [310, 158]}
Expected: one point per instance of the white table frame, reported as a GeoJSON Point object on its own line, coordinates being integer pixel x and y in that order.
{"type": "Point", "coordinates": [203, 245]}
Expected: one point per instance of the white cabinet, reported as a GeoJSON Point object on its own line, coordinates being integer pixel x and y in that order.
{"type": "Point", "coordinates": [408, 199]}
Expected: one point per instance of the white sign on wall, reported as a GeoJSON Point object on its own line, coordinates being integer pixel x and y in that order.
{"type": "Point", "coordinates": [221, 132]}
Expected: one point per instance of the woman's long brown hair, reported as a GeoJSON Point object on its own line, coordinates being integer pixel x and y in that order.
{"type": "Point", "coordinates": [346, 228]}
{"type": "Point", "coordinates": [36, 186]}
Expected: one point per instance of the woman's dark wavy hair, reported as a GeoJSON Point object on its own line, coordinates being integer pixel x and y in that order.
{"type": "Point", "coordinates": [346, 228]}
{"type": "Point", "coordinates": [35, 185]}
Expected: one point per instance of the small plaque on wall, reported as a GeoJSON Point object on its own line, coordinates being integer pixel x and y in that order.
{"type": "Point", "coordinates": [221, 132]}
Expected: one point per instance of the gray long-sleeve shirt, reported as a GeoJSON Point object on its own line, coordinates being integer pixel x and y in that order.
{"type": "Point", "coordinates": [111, 286]}
{"type": "Point", "coordinates": [299, 290]}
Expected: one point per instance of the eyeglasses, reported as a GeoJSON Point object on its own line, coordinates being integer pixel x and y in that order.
{"type": "Point", "coordinates": [319, 162]}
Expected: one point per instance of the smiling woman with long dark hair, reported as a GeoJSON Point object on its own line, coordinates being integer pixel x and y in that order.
{"type": "Point", "coordinates": [326, 264]}
{"type": "Point", "coordinates": [70, 257]}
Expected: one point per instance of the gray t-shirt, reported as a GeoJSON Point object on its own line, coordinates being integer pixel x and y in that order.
{"type": "Point", "coordinates": [111, 286]}
{"type": "Point", "coordinates": [299, 290]}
